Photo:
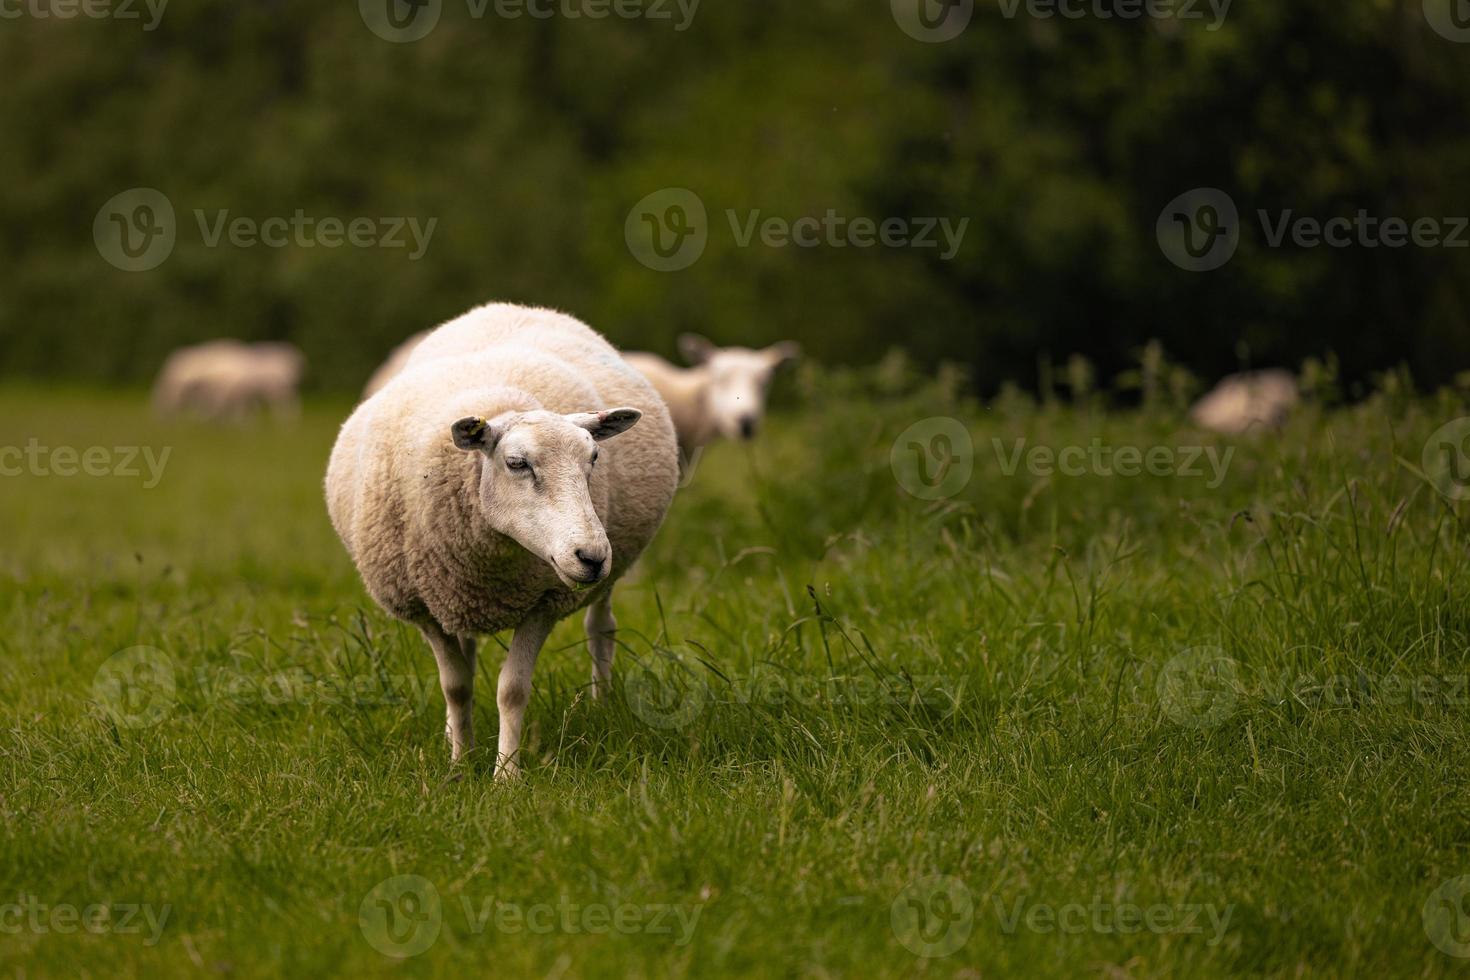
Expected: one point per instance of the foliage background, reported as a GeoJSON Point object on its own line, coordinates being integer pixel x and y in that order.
{"type": "Point", "coordinates": [530, 140]}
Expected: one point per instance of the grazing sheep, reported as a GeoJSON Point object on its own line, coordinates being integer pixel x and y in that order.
{"type": "Point", "coordinates": [1243, 402]}
{"type": "Point", "coordinates": [722, 395]}
{"type": "Point", "coordinates": [473, 496]}
{"type": "Point", "coordinates": [227, 380]}
{"type": "Point", "coordinates": [394, 365]}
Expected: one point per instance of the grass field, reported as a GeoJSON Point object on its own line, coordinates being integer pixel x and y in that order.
{"type": "Point", "coordinates": [1204, 721]}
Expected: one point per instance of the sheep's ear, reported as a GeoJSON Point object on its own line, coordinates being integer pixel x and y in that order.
{"type": "Point", "coordinates": [694, 348]}
{"type": "Point", "coordinates": [605, 425]}
{"type": "Point", "coordinates": [786, 350]}
{"type": "Point", "coordinates": [474, 434]}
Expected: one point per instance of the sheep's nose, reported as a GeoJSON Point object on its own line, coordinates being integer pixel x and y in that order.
{"type": "Point", "coordinates": [592, 563]}
{"type": "Point", "coordinates": [747, 426]}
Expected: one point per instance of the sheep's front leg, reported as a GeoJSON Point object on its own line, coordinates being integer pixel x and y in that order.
{"type": "Point", "coordinates": [514, 690]}
{"type": "Point", "coordinates": [457, 681]}
{"type": "Point", "coordinates": [601, 627]}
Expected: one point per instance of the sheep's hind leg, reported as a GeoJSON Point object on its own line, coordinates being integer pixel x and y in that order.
{"type": "Point", "coordinates": [467, 650]}
{"type": "Point", "coordinates": [457, 681]}
{"type": "Point", "coordinates": [601, 628]}
{"type": "Point", "coordinates": [514, 690]}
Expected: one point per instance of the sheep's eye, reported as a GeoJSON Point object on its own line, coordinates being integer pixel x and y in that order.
{"type": "Point", "coordinates": [518, 465]}
{"type": "Point", "coordinates": [594, 456]}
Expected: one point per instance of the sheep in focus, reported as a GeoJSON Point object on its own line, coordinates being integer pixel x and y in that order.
{"type": "Point", "coordinates": [227, 380]}
{"type": "Point", "coordinates": [508, 477]}
{"type": "Point", "coordinates": [723, 393]}
{"type": "Point", "coordinates": [1246, 402]}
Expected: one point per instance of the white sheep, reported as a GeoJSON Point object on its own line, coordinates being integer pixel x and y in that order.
{"type": "Point", "coordinates": [228, 380]}
{"type": "Point", "coordinates": [1244, 402]}
{"type": "Point", "coordinates": [473, 497]}
{"type": "Point", "coordinates": [723, 394]}
{"type": "Point", "coordinates": [394, 365]}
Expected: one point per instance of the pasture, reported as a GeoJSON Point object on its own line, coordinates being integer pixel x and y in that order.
{"type": "Point", "coordinates": [1210, 719]}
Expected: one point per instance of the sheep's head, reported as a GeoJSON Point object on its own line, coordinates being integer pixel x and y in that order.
{"type": "Point", "coordinates": [534, 478]}
{"type": "Point", "coordinates": [738, 380]}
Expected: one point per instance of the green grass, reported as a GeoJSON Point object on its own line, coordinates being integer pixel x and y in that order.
{"type": "Point", "coordinates": [830, 692]}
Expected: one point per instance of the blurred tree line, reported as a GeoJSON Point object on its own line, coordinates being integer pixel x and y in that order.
{"type": "Point", "coordinates": [530, 139]}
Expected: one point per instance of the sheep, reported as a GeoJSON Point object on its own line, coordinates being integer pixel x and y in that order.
{"type": "Point", "coordinates": [473, 495]}
{"type": "Point", "coordinates": [227, 380]}
{"type": "Point", "coordinates": [394, 365]}
{"type": "Point", "coordinates": [722, 395]}
{"type": "Point", "coordinates": [1243, 402]}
